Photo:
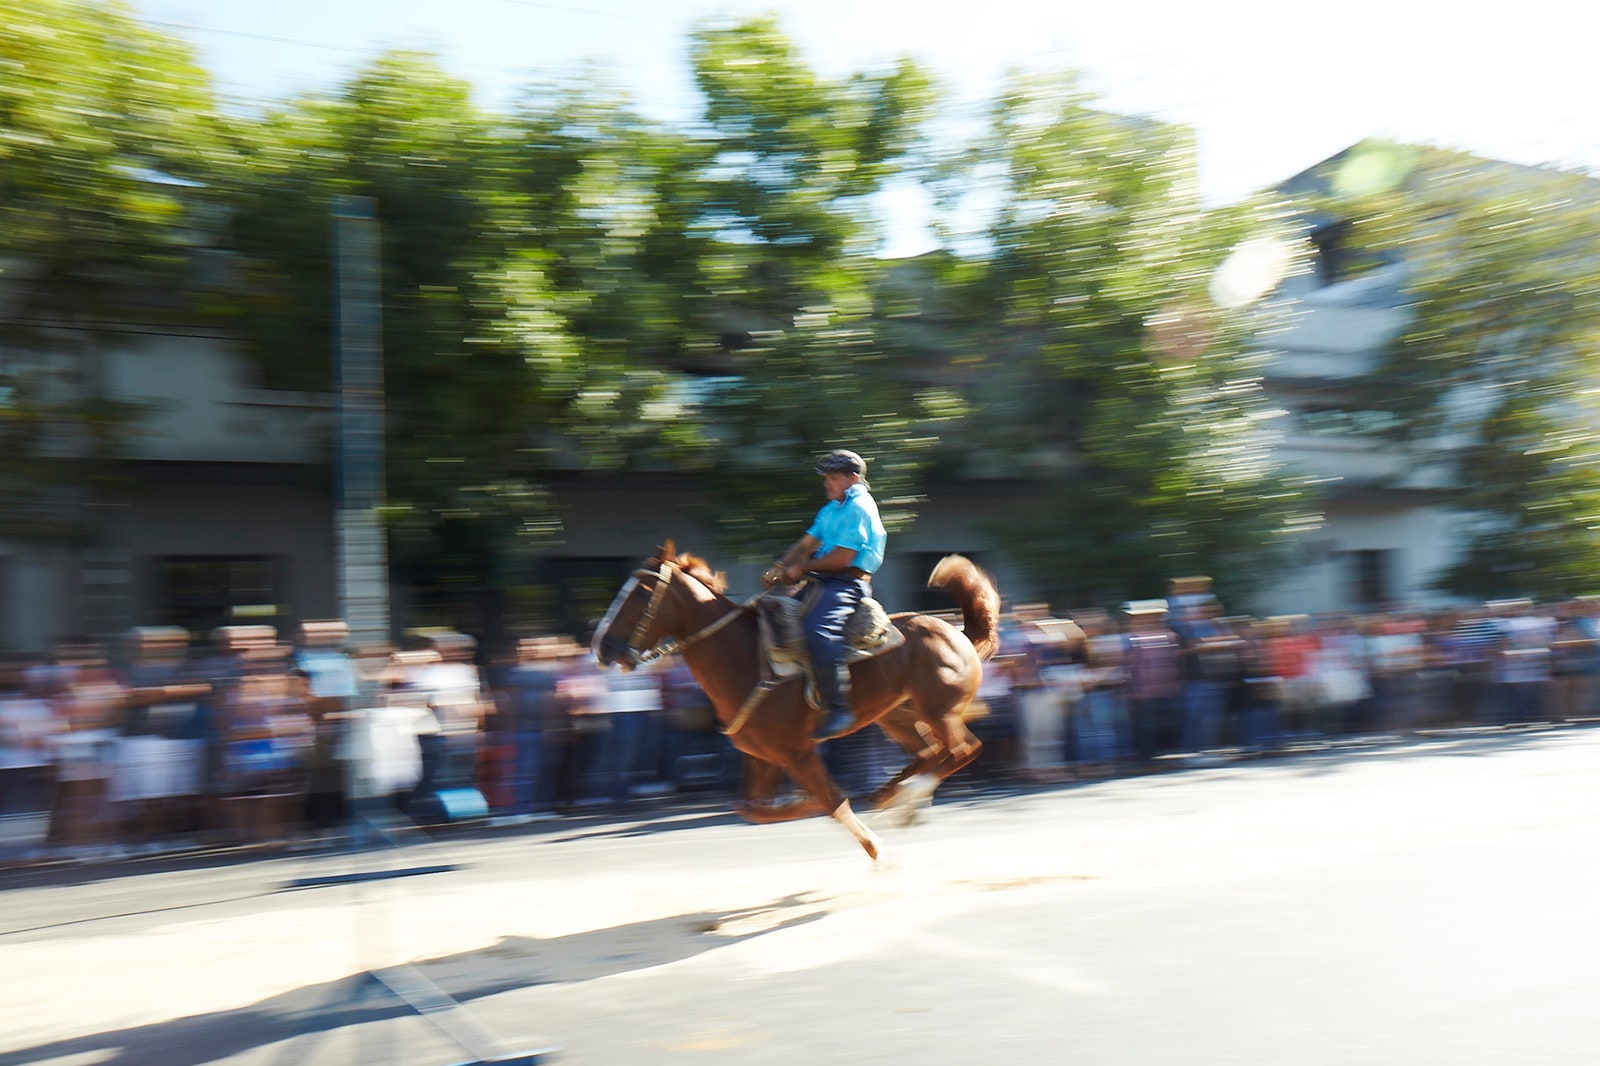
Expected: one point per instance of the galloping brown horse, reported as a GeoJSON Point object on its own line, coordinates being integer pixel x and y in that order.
{"type": "Point", "coordinates": [916, 691]}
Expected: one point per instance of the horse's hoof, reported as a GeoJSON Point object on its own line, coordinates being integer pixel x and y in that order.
{"type": "Point", "coordinates": [914, 793]}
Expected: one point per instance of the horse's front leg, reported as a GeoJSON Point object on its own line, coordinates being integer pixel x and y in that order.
{"type": "Point", "coordinates": [811, 774]}
{"type": "Point", "coordinates": [767, 813]}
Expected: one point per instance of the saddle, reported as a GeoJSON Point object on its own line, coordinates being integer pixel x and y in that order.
{"type": "Point", "coordinates": [867, 633]}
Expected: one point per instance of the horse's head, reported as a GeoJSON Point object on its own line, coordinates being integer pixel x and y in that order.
{"type": "Point", "coordinates": [647, 616]}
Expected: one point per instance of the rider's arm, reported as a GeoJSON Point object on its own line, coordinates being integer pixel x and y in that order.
{"type": "Point", "coordinates": [838, 559]}
{"type": "Point", "coordinates": [799, 551]}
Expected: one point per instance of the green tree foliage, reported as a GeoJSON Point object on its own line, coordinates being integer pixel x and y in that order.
{"type": "Point", "coordinates": [100, 122]}
{"type": "Point", "coordinates": [1110, 380]}
{"type": "Point", "coordinates": [780, 230]}
{"type": "Point", "coordinates": [605, 203]}
{"type": "Point", "coordinates": [573, 288]}
{"type": "Point", "coordinates": [569, 288]}
{"type": "Point", "coordinates": [1493, 376]}
{"type": "Point", "coordinates": [103, 126]}
{"type": "Point", "coordinates": [472, 344]}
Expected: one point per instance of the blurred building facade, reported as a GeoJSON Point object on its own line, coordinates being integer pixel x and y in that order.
{"type": "Point", "coordinates": [220, 513]}
{"type": "Point", "coordinates": [226, 514]}
{"type": "Point", "coordinates": [1389, 527]}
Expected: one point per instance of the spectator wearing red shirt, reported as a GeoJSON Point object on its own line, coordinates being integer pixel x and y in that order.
{"type": "Point", "coordinates": [1291, 650]}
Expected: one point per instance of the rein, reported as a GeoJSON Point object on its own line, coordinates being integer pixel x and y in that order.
{"type": "Point", "coordinates": [671, 645]}
{"type": "Point", "coordinates": [663, 578]}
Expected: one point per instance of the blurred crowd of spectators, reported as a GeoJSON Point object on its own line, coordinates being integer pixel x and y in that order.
{"type": "Point", "coordinates": [1104, 692]}
{"type": "Point", "coordinates": [154, 745]}
{"type": "Point", "coordinates": [252, 740]}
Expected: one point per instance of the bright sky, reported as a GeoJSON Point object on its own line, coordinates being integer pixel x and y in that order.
{"type": "Point", "coordinates": [1269, 88]}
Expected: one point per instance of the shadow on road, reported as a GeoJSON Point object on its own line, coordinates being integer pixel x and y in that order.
{"type": "Point", "coordinates": [623, 826]}
{"type": "Point", "coordinates": [1472, 743]}
{"type": "Point", "coordinates": [1310, 757]}
{"type": "Point", "coordinates": [305, 1020]}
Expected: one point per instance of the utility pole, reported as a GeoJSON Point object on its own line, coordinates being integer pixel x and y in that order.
{"type": "Point", "coordinates": [363, 551]}
{"type": "Point", "coordinates": [364, 574]}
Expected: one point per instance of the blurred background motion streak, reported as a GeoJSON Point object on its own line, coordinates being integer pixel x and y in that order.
{"type": "Point", "coordinates": [1128, 310]}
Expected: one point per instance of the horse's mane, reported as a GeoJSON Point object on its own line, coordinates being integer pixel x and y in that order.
{"type": "Point", "coordinates": [694, 566]}
{"type": "Point", "coordinates": [698, 568]}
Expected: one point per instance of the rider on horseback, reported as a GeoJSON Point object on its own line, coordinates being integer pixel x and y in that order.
{"type": "Point", "coordinates": [840, 552]}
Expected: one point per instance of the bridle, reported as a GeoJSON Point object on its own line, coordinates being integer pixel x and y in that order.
{"type": "Point", "coordinates": [638, 655]}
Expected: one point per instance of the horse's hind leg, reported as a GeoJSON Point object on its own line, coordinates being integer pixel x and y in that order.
{"type": "Point", "coordinates": [963, 747]}
{"type": "Point", "coordinates": [809, 773]}
{"type": "Point", "coordinates": [758, 782]}
{"type": "Point", "coordinates": [900, 725]}
{"type": "Point", "coordinates": [942, 744]}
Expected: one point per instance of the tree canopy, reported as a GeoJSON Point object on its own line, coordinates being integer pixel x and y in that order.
{"type": "Point", "coordinates": [1493, 376]}
{"type": "Point", "coordinates": [569, 289]}
{"type": "Point", "coordinates": [104, 127]}
{"type": "Point", "coordinates": [1104, 370]}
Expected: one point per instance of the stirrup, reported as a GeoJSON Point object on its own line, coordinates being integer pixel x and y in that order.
{"type": "Point", "coordinates": [833, 724]}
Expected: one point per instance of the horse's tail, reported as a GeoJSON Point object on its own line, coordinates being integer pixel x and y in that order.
{"type": "Point", "coordinates": [974, 591]}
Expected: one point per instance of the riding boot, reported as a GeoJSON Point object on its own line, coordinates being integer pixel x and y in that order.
{"type": "Point", "coordinates": [837, 718]}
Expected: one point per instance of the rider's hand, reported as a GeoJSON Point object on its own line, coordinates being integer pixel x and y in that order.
{"type": "Point", "coordinates": [773, 575]}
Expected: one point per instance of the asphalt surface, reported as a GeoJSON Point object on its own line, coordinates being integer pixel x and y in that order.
{"type": "Point", "coordinates": [1422, 901]}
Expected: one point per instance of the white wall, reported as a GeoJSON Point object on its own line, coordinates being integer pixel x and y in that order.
{"type": "Point", "coordinates": [1419, 539]}
{"type": "Point", "coordinates": [1335, 332]}
{"type": "Point", "coordinates": [204, 409]}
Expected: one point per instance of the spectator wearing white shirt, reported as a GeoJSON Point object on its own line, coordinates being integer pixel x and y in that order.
{"type": "Point", "coordinates": [159, 761]}
{"type": "Point", "coordinates": [26, 724]}
{"type": "Point", "coordinates": [86, 704]}
{"type": "Point", "coordinates": [1522, 661]}
{"type": "Point", "coordinates": [630, 749]}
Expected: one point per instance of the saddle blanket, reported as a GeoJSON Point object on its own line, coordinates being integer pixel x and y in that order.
{"type": "Point", "coordinates": [867, 633]}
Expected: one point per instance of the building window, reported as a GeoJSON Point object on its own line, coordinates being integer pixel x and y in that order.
{"type": "Point", "coordinates": [104, 591]}
{"type": "Point", "coordinates": [1339, 258]}
{"type": "Point", "coordinates": [203, 592]}
{"type": "Point", "coordinates": [1369, 576]}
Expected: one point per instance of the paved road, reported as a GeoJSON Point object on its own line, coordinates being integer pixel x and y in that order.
{"type": "Point", "coordinates": [1427, 902]}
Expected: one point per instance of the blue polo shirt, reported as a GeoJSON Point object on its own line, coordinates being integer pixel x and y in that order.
{"type": "Point", "coordinates": [852, 522]}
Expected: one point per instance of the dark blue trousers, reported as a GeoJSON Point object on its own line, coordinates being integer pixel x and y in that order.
{"type": "Point", "coordinates": [824, 622]}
